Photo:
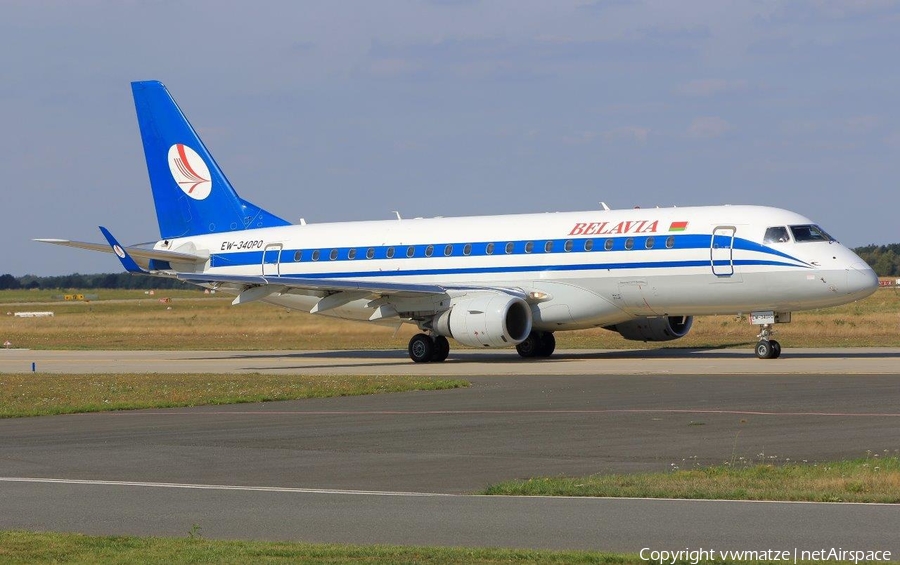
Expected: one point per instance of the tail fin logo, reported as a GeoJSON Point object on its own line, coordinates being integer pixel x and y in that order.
{"type": "Point", "coordinates": [189, 171]}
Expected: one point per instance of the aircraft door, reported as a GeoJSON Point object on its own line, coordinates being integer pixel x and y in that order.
{"type": "Point", "coordinates": [721, 251]}
{"type": "Point", "coordinates": [271, 260]}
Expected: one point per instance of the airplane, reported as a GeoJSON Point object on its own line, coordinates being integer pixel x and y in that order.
{"type": "Point", "coordinates": [484, 281]}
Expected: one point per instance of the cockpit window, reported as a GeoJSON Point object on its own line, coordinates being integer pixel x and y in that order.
{"type": "Point", "coordinates": [810, 233]}
{"type": "Point", "coordinates": [776, 235]}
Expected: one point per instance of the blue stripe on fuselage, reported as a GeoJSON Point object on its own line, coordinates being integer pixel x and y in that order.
{"type": "Point", "coordinates": [479, 249]}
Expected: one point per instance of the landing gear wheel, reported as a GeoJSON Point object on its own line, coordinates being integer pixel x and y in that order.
{"type": "Point", "coordinates": [529, 347]}
{"type": "Point", "coordinates": [776, 349]}
{"type": "Point", "coordinates": [441, 349]}
{"type": "Point", "coordinates": [546, 344]}
{"type": "Point", "coordinates": [765, 349]}
{"type": "Point", "coordinates": [421, 348]}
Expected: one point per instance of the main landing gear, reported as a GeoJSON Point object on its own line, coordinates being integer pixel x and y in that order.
{"type": "Point", "coordinates": [767, 348]}
{"type": "Point", "coordinates": [537, 344]}
{"type": "Point", "coordinates": [424, 348]}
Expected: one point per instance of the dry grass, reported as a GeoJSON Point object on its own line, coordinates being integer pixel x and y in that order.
{"type": "Point", "coordinates": [28, 394]}
{"type": "Point", "coordinates": [872, 479]}
{"type": "Point", "coordinates": [195, 321]}
{"type": "Point", "coordinates": [28, 547]}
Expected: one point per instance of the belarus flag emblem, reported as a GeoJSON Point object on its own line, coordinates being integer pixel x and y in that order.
{"type": "Point", "coordinates": [678, 226]}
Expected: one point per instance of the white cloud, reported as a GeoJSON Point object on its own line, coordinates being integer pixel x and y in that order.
{"type": "Point", "coordinates": [708, 127]}
{"type": "Point", "coordinates": [629, 133]}
{"type": "Point", "coordinates": [861, 124]}
{"type": "Point", "coordinates": [710, 87]}
{"type": "Point", "coordinates": [394, 67]}
{"type": "Point", "coordinates": [622, 134]}
{"type": "Point", "coordinates": [893, 140]}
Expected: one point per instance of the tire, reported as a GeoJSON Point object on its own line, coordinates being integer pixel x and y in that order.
{"type": "Point", "coordinates": [546, 344]}
{"type": "Point", "coordinates": [529, 347]}
{"type": "Point", "coordinates": [764, 349]}
{"type": "Point", "coordinates": [776, 349]}
{"type": "Point", "coordinates": [441, 349]}
{"type": "Point", "coordinates": [421, 348]}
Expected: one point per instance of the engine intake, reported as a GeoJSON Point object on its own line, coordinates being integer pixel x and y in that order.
{"type": "Point", "coordinates": [665, 328]}
{"type": "Point", "coordinates": [486, 320]}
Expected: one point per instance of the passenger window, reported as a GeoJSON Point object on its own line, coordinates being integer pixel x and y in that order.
{"type": "Point", "coordinates": [489, 249]}
{"type": "Point", "coordinates": [588, 244]}
{"type": "Point", "coordinates": [390, 253]}
{"type": "Point", "coordinates": [548, 247]}
{"type": "Point", "coordinates": [568, 246]}
{"type": "Point", "coordinates": [351, 254]}
{"type": "Point", "coordinates": [776, 235]}
{"type": "Point", "coordinates": [448, 251]}
{"type": "Point", "coordinates": [509, 248]}
{"type": "Point", "coordinates": [629, 243]}
{"type": "Point", "coordinates": [529, 247]}
{"type": "Point", "coordinates": [297, 256]}
{"type": "Point", "coordinates": [410, 251]}
{"type": "Point", "coordinates": [467, 249]}
{"type": "Point", "coordinates": [370, 253]}
{"type": "Point", "coordinates": [315, 255]}
{"type": "Point", "coordinates": [608, 245]}
{"type": "Point", "coordinates": [670, 242]}
{"type": "Point", "coordinates": [333, 255]}
{"type": "Point", "coordinates": [649, 243]}
{"type": "Point", "coordinates": [429, 251]}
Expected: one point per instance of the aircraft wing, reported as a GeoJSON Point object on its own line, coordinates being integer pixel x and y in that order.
{"type": "Point", "coordinates": [142, 254]}
{"type": "Point", "coordinates": [388, 298]}
{"type": "Point", "coordinates": [311, 283]}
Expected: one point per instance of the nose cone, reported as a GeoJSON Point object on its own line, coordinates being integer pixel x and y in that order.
{"type": "Point", "coordinates": [861, 280]}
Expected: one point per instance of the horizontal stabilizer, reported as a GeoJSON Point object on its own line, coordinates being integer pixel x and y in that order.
{"type": "Point", "coordinates": [138, 253]}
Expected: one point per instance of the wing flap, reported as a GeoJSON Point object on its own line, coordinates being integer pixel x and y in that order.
{"type": "Point", "coordinates": [322, 284]}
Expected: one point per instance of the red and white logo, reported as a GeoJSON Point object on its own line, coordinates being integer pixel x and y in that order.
{"type": "Point", "coordinates": [119, 251]}
{"type": "Point", "coordinates": [189, 171]}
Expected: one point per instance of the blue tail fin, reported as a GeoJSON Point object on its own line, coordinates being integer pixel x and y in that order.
{"type": "Point", "coordinates": [191, 193]}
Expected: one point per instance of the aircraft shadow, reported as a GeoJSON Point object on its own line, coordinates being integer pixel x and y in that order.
{"type": "Point", "coordinates": [743, 351]}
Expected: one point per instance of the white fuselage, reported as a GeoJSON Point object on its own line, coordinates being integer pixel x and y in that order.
{"type": "Point", "coordinates": [599, 268]}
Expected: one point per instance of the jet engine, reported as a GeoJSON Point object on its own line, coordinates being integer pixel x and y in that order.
{"type": "Point", "coordinates": [487, 319]}
{"type": "Point", "coordinates": [665, 328]}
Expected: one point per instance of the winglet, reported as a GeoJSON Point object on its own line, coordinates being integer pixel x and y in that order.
{"type": "Point", "coordinates": [120, 252]}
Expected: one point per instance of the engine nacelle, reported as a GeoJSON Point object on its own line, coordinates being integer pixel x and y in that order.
{"type": "Point", "coordinates": [665, 328]}
{"type": "Point", "coordinates": [487, 319]}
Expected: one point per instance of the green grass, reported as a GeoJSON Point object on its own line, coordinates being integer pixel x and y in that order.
{"type": "Point", "coordinates": [30, 547]}
{"type": "Point", "coordinates": [29, 394]}
{"type": "Point", "coordinates": [872, 479]}
{"type": "Point", "coordinates": [26, 547]}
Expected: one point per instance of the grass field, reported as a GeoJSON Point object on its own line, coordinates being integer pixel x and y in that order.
{"type": "Point", "coordinates": [192, 320]}
{"type": "Point", "coordinates": [875, 478]}
{"type": "Point", "coordinates": [41, 395]}
{"type": "Point", "coordinates": [75, 549]}
{"type": "Point", "coordinates": [28, 547]}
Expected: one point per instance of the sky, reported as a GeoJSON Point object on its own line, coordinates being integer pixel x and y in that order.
{"type": "Point", "coordinates": [343, 110]}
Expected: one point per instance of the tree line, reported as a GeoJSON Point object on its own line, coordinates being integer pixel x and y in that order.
{"type": "Point", "coordinates": [884, 259]}
{"type": "Point", "coordinates": [87, 282]}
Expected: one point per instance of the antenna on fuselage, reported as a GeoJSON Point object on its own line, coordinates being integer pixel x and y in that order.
{"type": "Point", "coordinates": [398, 215]}
{"type": "Point", "coordinates": [605, 207]}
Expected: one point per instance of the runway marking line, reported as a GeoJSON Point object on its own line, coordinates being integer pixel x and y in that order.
{"type": "Point", "coordinates": [189, 486]}
{"type": "Point", "coordinates": [298, 490]}
{"type": "Point", "coordinates": [489, 412]}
